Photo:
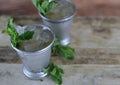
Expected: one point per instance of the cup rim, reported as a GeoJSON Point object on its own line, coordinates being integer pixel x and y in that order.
{"type": "Point", "coordinates": [61, 20]}
{"type": "Point", "coordinates": [38, 51]}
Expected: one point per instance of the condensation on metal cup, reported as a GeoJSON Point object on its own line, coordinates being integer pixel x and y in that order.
{"type": "Point", "coordinates": [35, 62]}
{"type": "Point", "coordinates": [62, 27]}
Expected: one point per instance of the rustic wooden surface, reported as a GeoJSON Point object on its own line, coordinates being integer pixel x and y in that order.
{"type": "Point", "coordinates": [84, 7]}
{"type": "Point", "coordinates": [95, 39]}
{"type": "Point", "coordinates": [74, 75]}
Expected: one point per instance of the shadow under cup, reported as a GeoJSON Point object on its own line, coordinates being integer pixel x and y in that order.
{"type": "Point", "coordinates": [34, 62]}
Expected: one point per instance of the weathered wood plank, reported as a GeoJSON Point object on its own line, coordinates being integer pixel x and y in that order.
{"type": "Point", "coordinates": [8, 55]}
{"type": "Point", "coordinates": [74, 75]}
{"type": "Point", "coordinates": [95, 39]}
{"type": "Point", "coordinates": [84, 7]}
{"type": "Point", "coordinates": [83, 56]}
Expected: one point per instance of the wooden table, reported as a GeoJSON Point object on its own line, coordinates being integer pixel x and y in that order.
{"type": "Point", "coordinates": [95, 39]}
{"type": "Point", "coordinates": [74, 75]}
{"type": "Point", "coordinates": [97, 44]}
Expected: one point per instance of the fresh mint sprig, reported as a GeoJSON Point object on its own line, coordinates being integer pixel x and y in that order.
{"type": "Point", "coordinates": [66, 52]}
{"type": "Point", "coordinates": [55, 72]}
{"type": "Point", "coordinates": [11, 31]}
{"type": "Point", "coordinates": [16, 39]}
{"type": "Point", "coordinates": [44, 6]}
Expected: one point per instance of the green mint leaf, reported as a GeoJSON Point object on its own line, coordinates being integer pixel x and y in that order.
{"type": "Point", "coordinates": [55, 72]}
{"type": "Point", "coordinates": [66, 52]}
{"type": "Point", "coordinates": [26, 35]}
{"type": "Point", "coordinates": [61, 70]}
{"type": "Point", "coordinates": [14, 35]}
{"type": "Point", "coordinates": [10, 22]}
{"type": "Point", "coordinates": [44, 6]}
{"type": "Point", "coordinates": [42, 11]}
{"type": "Point", "coordinates": [57, 79]}
{"type": "Point", "coordinates": [55, 47]}
{"type": "Point", "coordinates": [52, 5]}
{"type": "Point", "coordinates": [11, 31]}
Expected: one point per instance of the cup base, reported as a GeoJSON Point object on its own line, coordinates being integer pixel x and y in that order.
{"type": "Point", "coordinates": [32, 75]}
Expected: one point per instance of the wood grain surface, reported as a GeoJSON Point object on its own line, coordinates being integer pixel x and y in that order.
{"type": "Point", "coordinates": [76, 74]}
{"type": "Point", "coordinates": [84, 7]}
{"type": "Point", "coordinates": [95, 39]}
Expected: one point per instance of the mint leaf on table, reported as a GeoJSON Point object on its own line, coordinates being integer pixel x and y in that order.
{"type": "Point", "coordinates": [44, 6]}
{"type": "Point", "coordinates": [14, 35]}
{"type": "Point", "coordinates": [55, 45]}
{"type": "Point", "coordinates": [55, 72]}
{"type": "Point", "coordinates": [66, 52]}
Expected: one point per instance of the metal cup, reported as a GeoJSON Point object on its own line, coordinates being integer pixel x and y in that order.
{"type": "Point", "coordinates": [34, 62]}
{"type": "Point", "coordinates": [61, 27]}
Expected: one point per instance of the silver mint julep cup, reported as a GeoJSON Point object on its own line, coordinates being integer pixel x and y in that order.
{"type": "Point", "coordinates": [35, 61]}
{"type": "Point", "coordinates": [61, 27]}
